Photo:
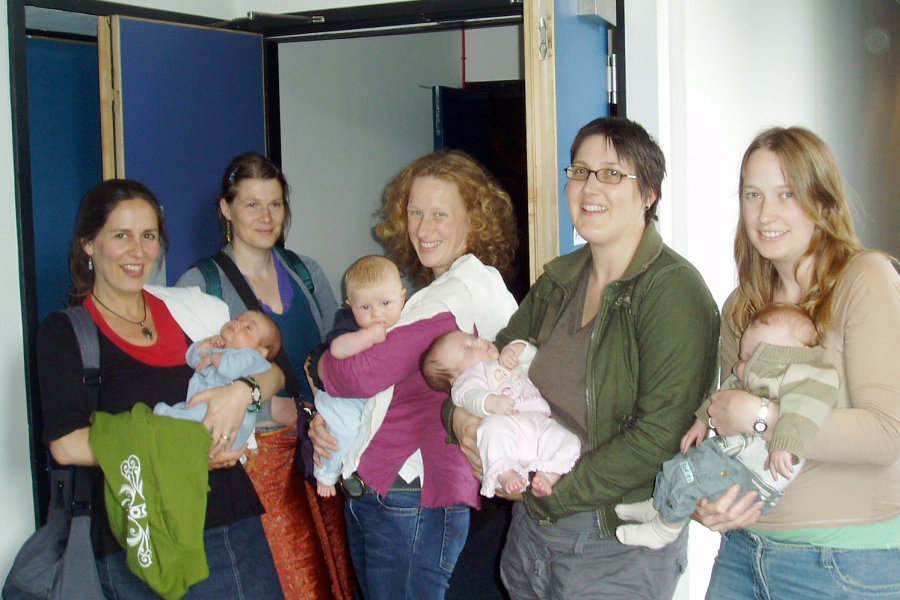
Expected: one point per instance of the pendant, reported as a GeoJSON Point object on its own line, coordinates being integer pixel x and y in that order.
{"type": "Point", "coordinates": [147, 331]}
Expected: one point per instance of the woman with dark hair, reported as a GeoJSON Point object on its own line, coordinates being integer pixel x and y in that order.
{"type": "Point", "coordinates": [450, 227]}
{"type": "Point", "coordinates": [306, 532]}
{"type": "Point", "coordinates": [626, 334]}
{"type": "Point", "coordinates": [835, 535]}
{"type": "Point", "coordinates": [119, 241]}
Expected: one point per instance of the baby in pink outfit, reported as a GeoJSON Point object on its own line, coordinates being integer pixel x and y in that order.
{"type": "Point", "coordinates": [516, 435]}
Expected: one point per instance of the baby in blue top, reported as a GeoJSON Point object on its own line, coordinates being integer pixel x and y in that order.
{"type": "Point", "coordinates": [242, 348]}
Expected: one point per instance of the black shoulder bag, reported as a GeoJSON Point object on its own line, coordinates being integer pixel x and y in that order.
{"type": "Point", "coordinates": [57, 561]}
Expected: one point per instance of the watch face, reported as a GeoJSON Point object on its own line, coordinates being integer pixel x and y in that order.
{"type": "Point", "coordinates": [760, 426]}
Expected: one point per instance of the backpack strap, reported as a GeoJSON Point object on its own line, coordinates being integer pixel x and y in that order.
{"type": "Point", "coordinates": [291, 383]}
{"type": "Point", "coordinates": [74, 483]}
{"type": "Point", "coordinates": [89, 345]}
{"type": "Point", "coordinates": [207, 268]}
{"type": "Point", "coordinates": [295, 263]}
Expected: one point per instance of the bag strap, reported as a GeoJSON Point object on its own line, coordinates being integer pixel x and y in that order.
{"type": "Point", "coordinates": [89, 346]}
{"type": "Point", "coordinates": [297, 265]}
{"type": "Point", "coordinates": [210, 274]}
{"type": "Point", "coordinates": [73, 484]}
{"type": "Point", "coordinates": [252, 303]}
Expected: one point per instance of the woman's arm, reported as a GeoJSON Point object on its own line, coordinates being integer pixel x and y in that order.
{"type": "Point", "coordinates": [866, 313]}
{"type": "Point", "coordinates": [324, 295]}
{"type": "Point", "coordinates": [867, 318]}
{"type": "Point", "coordinates": [676, 344]}
{"type": "Point", "coordinates": [464, 426]}
{"type": "Point", "coordinates": [228, 404]}
{"type": "Point", "coordinates": [66, 402]}
{"type": "Point", "coordinates": [73, 449]}
{"type": "Point", "coordinates": [385, 364]}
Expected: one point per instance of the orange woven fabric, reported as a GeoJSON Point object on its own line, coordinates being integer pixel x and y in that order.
{"type": "Point", "coordinates": [307, 533]}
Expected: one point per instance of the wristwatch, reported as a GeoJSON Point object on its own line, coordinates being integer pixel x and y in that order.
{"type": "Point", "coordinates": [761, 425]}
{"type": "Point", "coordinates": [255, 393]}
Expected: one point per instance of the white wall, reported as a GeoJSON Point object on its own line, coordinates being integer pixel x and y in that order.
{"type": "Point", "coordinates": [15, 473]}
{"type": "Point", "coordinates": [706, 75]}
{"type": "Point", "coordinates": [494, 54]}
{"type": "Point", "coordinates": [353, 113]}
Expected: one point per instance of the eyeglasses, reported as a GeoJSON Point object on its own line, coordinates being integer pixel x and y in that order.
{"type": "Point", "coordinates": [576, 173]}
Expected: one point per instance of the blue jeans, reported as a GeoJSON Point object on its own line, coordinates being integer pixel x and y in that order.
{"type": "Point", "coordinates": [240, 568]}
{"type": "Point", "coordinates": [400, 550]}
{"type": "Point", "coordinates": [753, 567]}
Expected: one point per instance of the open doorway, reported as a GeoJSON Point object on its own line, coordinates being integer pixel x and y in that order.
{"type": "Point", "coordinates": [354, 111]}
{"type": "Point", "coordinates": [487, 120]}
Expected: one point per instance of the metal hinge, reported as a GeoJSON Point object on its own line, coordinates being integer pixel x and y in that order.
{"type": "Point", "coordinates": [543, 39]}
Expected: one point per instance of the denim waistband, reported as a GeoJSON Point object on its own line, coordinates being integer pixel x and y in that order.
{"type": "Point", "coordinates": [355, 487]}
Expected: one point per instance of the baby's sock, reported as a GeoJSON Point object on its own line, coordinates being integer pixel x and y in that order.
{"type": "Point", "coordinates": [653, 534]}
{"type": "Point", "coordinates": [642, 512]}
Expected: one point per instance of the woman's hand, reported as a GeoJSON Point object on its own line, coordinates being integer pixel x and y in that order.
{"type": "Point", "coordinates": [733, 412]}
{"type": "Point", "coordinates": [227, 406]}
{"type": "Point", "coordinates": [465, 427]}
{"type": "Point", "coordinates": [226, 458]}
{"type": "Point", "coordinates": [323, 442]}
{"type": "Point", "coordinates": [514, 497]}
{"type": "Point", "coordinates": [727, 513]}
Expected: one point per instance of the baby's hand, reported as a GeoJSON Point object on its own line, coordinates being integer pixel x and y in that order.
{"type": "Point", "coordinates": [781, 462]}
{"type": "Point", "coordinates": [378, 332]}
{"type": "Point", "coordinates": [214, 359]}
{"type": "Point", "coordinates": [694, 436]}
{"type": "Point", "coordinates": [496, 404]}
{"type": "Point", "coordinates": [213, 342]}
{"type": "Point", "coordinates": [509, 356]}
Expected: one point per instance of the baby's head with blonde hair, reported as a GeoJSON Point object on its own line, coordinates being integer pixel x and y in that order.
{"type": "Point", "coordinates": [374, 290]}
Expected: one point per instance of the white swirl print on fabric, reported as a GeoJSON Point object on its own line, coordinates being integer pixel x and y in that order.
{"type": "Point", "coordinates": [131, 496]}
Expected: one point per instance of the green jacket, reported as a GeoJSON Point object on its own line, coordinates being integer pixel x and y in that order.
{"type": "Point", "coordinates": [652, 361]}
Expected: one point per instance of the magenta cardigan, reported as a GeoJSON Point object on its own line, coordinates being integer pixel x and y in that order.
{"type": "Point", "coordinates": [413, 419]}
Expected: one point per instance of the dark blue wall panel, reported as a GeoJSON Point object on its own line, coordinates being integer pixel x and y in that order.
{"type": "Point", "coordinates": [192, 99]}
{"type": "Point", "coordinates": [64, 128]}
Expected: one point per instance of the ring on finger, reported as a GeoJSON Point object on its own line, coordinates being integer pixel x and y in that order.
{"type": "Point", "coordinates": [224, 437]}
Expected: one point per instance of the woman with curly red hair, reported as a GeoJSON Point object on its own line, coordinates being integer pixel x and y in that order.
{"type": "Point", "coordinates": [450, 227]}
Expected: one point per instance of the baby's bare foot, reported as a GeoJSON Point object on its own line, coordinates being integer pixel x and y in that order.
{"type": "Point", "coordinates": [511, 482]}
{"type": "Point", "coordinates": [542, 483]}
{"type": "Point", "coordinates": [326, 491]}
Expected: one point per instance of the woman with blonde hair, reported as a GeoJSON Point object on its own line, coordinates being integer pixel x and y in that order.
{"type": "Point", "coordinates": [835, 535]}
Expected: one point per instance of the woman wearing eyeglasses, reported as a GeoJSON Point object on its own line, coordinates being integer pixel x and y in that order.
{"type": "Point", "coordinates": [627, 334]}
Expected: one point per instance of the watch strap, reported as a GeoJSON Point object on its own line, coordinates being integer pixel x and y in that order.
{"type": "Point", "coordinates": [762, 423]}
{"type": "Point", "coordinates": [255, 392]}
